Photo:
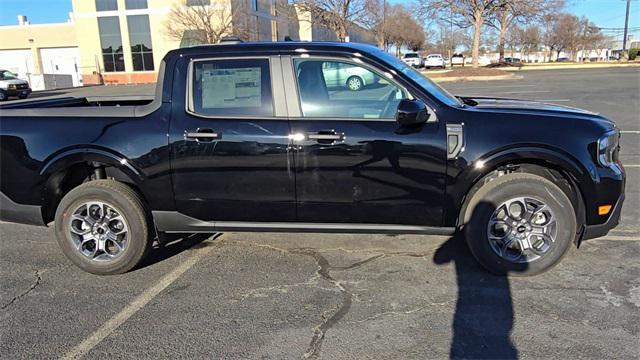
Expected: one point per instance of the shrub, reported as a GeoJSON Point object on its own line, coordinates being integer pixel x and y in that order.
{"type": "Point", "coordinates": [633, 53]}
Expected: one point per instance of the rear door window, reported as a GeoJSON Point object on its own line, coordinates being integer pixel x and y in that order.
{"type": "Point", "coordinates": [231, 87]}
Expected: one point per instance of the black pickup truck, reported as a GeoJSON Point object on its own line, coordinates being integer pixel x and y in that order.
{"type": "Point", "coordinates": [308, 137]}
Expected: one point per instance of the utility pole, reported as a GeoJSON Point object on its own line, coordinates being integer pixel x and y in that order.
{"type": "Point", "coordinates": [384, 25]}
{"type": "Point", "coordinates": [626, 29]}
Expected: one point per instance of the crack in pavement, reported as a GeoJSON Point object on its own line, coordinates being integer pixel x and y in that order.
{"type": "Point", "coordinates": [31, 288]}
{"type": "Point", "coordinates": [324, 269]}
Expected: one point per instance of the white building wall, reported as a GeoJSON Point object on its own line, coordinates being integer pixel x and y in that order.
{"type": "Point", "coordinates": [19, 62]}
{"type": "Point", "coordinates": [62, 61]}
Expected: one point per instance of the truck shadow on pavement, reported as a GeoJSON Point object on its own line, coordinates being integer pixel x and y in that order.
{"type": "Point", "coordinates": [484, 315]}
{"type": "Point", "coordinates": [174, 245]}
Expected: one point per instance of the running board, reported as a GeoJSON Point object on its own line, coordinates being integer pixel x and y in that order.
{"type": "Point", "coordinates": [175, 222]}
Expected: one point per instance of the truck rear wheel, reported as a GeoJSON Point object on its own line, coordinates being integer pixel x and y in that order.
{"type": "Point", "coordinates": [102, 227]}
{"type": "Point", "coordinates": [519, 223]}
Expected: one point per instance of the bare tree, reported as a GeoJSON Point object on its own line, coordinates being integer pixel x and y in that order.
{"type": "Point", "coordinates": [403, 30]}
{"type": "Point", "coordinates": [335, 15]}
{"type": "Point", "coordinates": [204, 23]}
{"type": "Point", "coordinates": [590, 37]}
{"type": "Point", "coordinates": [529, 40]}
{"type": "Point", "coordinates": [511, 12]}
{"type": "Point", "coordinates": [463, 14]}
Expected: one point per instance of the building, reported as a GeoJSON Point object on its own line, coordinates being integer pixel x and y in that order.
{"type": "Point", "coordinates": [124, 41]}
{"type": "Point", "coordinates": [40, 49]}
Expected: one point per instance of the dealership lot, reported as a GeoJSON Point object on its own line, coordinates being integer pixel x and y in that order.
{"type": "Point", "coordinates": [341, 296]}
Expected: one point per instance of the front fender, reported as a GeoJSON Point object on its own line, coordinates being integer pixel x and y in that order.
{"type": "Point", "coordinates": [464, 174]}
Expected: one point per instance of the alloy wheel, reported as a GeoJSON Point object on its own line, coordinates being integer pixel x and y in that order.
{"type": "Point", "coordinates": [522, 229]}
{"type": "Point", "coordinates": [99, 231]}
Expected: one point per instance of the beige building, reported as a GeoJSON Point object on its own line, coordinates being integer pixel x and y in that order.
{"type": "Point", "coordinates": [124, 41]}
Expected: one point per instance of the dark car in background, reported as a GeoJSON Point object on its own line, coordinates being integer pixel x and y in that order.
{"type": "Point", "coordinates": [250, 137]}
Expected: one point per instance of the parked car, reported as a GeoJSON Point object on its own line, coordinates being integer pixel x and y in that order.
{"type": "Point", "coordinates": [511, 60]}
{"type": "Point", "coordinates": [11, 86]}
{"type": "Point", "coordinates": [413, 59]}
{"type": "Point", "coordinates": [354, 78]}
{"type": "Point", "coordinates": [434, 60]}
{"type": "Point", "coordinates": [563, 59]}
{"type": "Point", "coordinates": [114, 175]}
{"type": "Point", "coordinates": [457, 59]}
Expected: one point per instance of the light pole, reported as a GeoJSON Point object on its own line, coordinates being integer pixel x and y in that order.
{"type": "Point", "coordinates": [626, 29]}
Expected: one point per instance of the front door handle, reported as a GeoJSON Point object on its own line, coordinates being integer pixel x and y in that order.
{"type": "Point", "coordinates": [201, 135]}
{"type": "Point", "coordinates": [326, 136]}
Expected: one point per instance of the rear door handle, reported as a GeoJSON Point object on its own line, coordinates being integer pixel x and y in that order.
{"type": "Point", "coordinates": [201, 135]}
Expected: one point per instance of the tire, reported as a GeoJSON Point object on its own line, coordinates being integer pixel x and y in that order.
{"type": "Point", "coordinates": [3, 96]}
{"type": "Point", "coordinates": [355, 83]}
{"type": "Point", "coordinates": [485, 206]}
{"type": "Point", "coordinates": [103, 196]}
{"type": "Point", "coordinates": [23, 96]}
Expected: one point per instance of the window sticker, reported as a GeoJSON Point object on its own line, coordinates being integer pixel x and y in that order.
{"type": "Point", "coordinates": [232, 87]}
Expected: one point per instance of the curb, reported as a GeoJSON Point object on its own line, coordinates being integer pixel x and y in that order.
{"type": "Point", "coordinates": [572, 66]}
{"type": "Point", "coordinates": [476, 78]}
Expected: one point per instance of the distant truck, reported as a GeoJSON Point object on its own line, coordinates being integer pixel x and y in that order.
{"type": "Point", "coordinates": [11, 86]}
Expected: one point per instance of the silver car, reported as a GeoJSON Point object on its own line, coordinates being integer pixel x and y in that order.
{"type": "Point", "coordinates": [337, 74]}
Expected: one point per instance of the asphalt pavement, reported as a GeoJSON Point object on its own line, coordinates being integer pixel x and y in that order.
{"type": "Point", "coordinates": [277, 296]}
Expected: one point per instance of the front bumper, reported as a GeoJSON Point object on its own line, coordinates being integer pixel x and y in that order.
{"type": "Point", "coordinates": [17, 92]}
{"type": "Point", "coordinates": [595, 231]}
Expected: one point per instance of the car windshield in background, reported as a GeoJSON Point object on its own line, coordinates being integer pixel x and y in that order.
{"type": "Point", "coordinates": [7, 75]}
{"type": "Point", "coordinates": [411, 55]}
{"type": "Point", "coordinates": [433, 88]}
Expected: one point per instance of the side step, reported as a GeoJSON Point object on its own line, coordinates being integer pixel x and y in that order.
{"type": "Point", "coordinates": [174, 222]}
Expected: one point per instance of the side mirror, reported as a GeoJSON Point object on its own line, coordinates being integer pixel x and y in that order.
{"type": "Point", "coordinates": [411, 112]}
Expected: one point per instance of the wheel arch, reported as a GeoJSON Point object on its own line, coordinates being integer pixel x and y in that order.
{"type": "Point", "coordinates": [72, 167]}
{"type": "Point", "coordinates": [562, 169]}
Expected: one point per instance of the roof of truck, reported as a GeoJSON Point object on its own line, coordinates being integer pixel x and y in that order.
{"type": "Point", "coordinates": [297, 46]}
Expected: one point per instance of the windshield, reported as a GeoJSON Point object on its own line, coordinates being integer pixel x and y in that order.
{"type": "Point", "coordinates": [7, 75]}
{"type": "Point", "coordinates": [431, 87]}
{"type": "Point", "coordinates": [410, 55]}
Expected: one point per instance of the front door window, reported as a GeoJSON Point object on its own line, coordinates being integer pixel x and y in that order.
{"type": "Point", "coordinates": [342, 89]}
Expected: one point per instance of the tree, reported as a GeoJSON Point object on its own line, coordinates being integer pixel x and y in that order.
{"type": "Point", "coordinates": [511, 12]}
{"type": "Point", "coordinates": [403, 29]}
{"type": "Point", "coordinates": [529, 40]}
{"type": "Point", "coordinates": [463, 14]}
{"type": "Point", "coordinates": [336, 15]}
{"type": "Point", "coordinates": [204, 24]}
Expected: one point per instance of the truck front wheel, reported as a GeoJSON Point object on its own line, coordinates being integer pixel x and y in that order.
{"type": "Point", "coordinates": [519, 223]}
{"type": "Point", "coordinates": [102, 227]}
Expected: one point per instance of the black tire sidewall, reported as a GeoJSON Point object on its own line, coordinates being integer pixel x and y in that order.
{"type": "Point", "coordinates": [134, 216]}
{"type": "Point", "coordinates": [485, 202]}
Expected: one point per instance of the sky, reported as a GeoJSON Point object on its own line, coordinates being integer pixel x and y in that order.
{"type": "Point", "coordinates": [604, 13]}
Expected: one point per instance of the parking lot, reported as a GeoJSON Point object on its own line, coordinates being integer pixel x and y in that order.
{"type": "Point", "coordinates": [274, 296]}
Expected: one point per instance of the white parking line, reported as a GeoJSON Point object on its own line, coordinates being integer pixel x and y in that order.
{"type": "Point", "coordinates": [631, 166]}
{"type": "Point", "coordinates": [138, 303]}
{"type": "Point", "coordinates": [636, 132]}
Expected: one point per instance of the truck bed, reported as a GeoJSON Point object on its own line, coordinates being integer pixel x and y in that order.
{"type": "Point", "coordinates": [73, 102]}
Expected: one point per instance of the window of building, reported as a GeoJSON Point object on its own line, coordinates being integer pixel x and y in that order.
{"type": "Point", "coordinates": [198, 2]}
{"type": "Point", "coordinates": [135, 4]}
{"type": "Point", "coordinates": [111, 43]}
{"type": "Point", "coordinates": [106, 5]}
{"type": "Point", "coordinates": [238, 87]}
{"type": "Point", "coordinates": [337, 89]}
{"type": "Point", "coordinates": [140, 40]}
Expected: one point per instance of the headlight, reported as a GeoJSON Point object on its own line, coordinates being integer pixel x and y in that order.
{"type": "Point", "coordinates": [608, 148]}
{"type": "Point", "coordinates": [12, 86]}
